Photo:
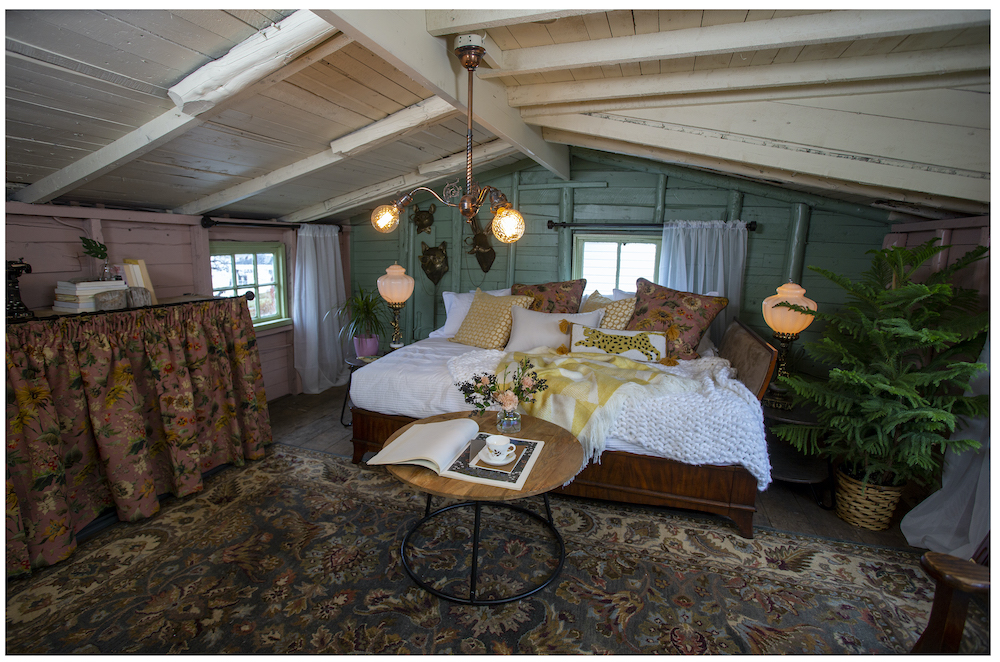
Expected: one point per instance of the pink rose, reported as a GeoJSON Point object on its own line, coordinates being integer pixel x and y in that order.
{"type": "Point", "coordinates": [507, 400]}
{"type": "Point", "coordinates": [527, 382]}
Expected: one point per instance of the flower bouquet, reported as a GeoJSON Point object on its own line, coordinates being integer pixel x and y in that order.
{"type": "Point", "coordinates": [485, 390]}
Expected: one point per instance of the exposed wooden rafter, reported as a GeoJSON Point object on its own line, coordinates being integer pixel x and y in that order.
{"type": "Point", "coordinates": [732, 37]}
{"type": "Point", "coordinates": [441, 22]}
{"type": "Point", "coordinates": [425, 174]}
{"type": "Point", "coordinates": [254, 76]}
{"type": "Point", "coordinates": [428, 60]}
{"type": "Point", "coordinates": [365, 139]}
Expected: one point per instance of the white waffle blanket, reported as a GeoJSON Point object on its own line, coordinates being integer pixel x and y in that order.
{"type": "Point", "coordinates": [719, 422]}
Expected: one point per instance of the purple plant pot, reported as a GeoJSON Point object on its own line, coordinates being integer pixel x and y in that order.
{"type": "Point", "coordinates": [366, 345]}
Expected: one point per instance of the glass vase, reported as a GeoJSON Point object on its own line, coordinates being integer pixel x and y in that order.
{"type": "Point", "coordinates": [508, 421]}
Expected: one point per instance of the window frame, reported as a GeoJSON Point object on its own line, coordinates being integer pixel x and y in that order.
{"type": "Point", "coordinates": [580, 238]}
{"type": "Point", "coordinates": [277, 249]}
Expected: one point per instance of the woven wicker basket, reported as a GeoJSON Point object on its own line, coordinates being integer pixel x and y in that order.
{"type": "Point", "coordinates": [869, 507]}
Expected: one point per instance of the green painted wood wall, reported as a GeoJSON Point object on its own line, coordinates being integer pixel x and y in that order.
{"type": "Point", "coordinates": [636, 191]}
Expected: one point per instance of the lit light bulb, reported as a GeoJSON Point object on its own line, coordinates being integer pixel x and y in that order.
{"type": "Point", "coordinates": [385, 218]}
{"type": "Point", "coordinates": [508, 225]}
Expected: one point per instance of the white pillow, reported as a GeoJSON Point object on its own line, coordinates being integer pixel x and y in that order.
{"type": "Point", "coordinates": [706, 347]}
{"type": "Point", "coordinates": [533, 329]}
{"type": "Point", "coordinates": [456, 307]}
{"type": "Point", "coordinates": [652, 346]}
{"type": "Point", "coordinates": [618, 295]}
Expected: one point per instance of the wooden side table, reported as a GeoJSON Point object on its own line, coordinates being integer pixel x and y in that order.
{"type": "Point", "coordinates": [561, 458]}
{"type": "Point", "coordinates": [353, 363]}
{"type": "Point", "coordinates": [792, 466]}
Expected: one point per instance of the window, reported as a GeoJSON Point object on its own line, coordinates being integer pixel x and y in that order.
{"type": "Point", "coordinates": [611, 261]}
{"type": "Point", "coordinates": [259, 267]}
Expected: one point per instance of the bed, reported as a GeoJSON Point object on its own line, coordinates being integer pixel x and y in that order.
{"type": "Point", "coordinates": [418, 381]}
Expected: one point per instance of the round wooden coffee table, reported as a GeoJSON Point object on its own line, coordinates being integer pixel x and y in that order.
{"type": "Point", "coordinates": [561, 458]}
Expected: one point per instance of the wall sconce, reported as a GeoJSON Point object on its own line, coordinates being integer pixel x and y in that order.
{"type": "Point", "coordinates": [395, 287]}
{"type": "Point", "coordinates": [787, 324]}
{"type": "Point", "coordinates": [508, 224]}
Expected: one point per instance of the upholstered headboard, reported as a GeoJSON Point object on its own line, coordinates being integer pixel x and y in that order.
{"type": "Point", "coordinates": [751, 356]}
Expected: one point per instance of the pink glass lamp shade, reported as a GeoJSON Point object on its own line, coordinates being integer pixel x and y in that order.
{"type": "Point", "coordinates": [787, 324]}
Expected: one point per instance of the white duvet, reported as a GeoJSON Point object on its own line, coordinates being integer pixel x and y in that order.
{"type": "Point", "coordinates": [721, 423]}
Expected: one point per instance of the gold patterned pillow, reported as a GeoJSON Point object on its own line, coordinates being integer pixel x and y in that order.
{"type": "Point", "coordinates": [618, 313]}
{"type": "Point", "coordinates": [488, 323]}
{"type": "Point", "coordinates": [595, 301]}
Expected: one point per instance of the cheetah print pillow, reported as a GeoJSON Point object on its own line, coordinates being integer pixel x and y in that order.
{"type": "Point", "coordinates": [635, 345]}
{"type": "Point", "coordinates": [683, 316]}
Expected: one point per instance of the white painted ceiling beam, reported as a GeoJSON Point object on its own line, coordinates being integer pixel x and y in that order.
{"type": "Point", "coordinates": [786, 32]}
{"type": "Point", "coordinates": [428, 60]}
{"type": "Point", "coordinates": [777, 154]}
{"type": "Point", "coordinates": [397, 125]}
{"type": "Point", "coordinates": [819, 72]}
{"type": "Point", "coordinates": [249, 61]}
{"type": "Point", "coordinates": [384, 190]}
{"type": "Point", "coordinates": [441, 22]}
{"type": "Point", "coordinates": [171, 124]}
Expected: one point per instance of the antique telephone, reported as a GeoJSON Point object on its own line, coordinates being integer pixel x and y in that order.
{"type": "Point", "coordinates": [16, 310]}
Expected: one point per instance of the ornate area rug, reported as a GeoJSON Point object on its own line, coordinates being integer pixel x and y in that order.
{"type": "Point", "coordinates": [299, 553]}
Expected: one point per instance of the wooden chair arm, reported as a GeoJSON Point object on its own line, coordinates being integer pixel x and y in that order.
{"type": "Point", "coordinates": [961, 574]}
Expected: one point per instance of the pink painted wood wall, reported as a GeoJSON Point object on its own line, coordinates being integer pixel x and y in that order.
{"type": "Point", "coordinates": [174, 247]}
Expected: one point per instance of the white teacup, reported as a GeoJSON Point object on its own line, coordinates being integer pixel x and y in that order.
{"type": "Point", "coordinates": [498, 446]}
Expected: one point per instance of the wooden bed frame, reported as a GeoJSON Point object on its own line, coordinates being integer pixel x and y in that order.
{"type": "Point", "coordinates": [728, 490]}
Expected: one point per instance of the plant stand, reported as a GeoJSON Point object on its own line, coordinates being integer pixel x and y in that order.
{"type": "Point", "coordinates": [867, 506]}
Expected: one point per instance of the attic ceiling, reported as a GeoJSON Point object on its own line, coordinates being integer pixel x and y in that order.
{"type": "Point", "coordinates": [305, 116]}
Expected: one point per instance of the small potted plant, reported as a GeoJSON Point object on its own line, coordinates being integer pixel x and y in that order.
{"type": "Point", "coordinates": [97, 250]}
{"type": "Point", "coordinates": [901, 354]}
{"type": "Point", "coordinates": [365, 315]}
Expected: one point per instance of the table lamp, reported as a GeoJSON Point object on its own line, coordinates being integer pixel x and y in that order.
{"type": "Point", "coordinates": [395, 287]}
{"type": "Point", "coordinates": [787, 324]}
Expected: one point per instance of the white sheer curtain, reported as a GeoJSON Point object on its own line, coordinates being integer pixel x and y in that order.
{"type": "Point", "coordinates": [319, 287]}
{"type": "Point", "coordinates": [956, 518]}
{"type": "Point", "coordinates": [706, 257]}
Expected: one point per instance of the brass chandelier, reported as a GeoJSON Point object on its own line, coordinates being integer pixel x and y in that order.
{"type": "Point", "coordinates": [508, 224]}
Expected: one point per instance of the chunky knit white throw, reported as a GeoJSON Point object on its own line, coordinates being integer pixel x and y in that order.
{"type": "Point", "coordinates": [718, 422]}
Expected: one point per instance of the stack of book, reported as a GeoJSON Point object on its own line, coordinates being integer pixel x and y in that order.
{"type": "Point", "coordinates": [79, 297]}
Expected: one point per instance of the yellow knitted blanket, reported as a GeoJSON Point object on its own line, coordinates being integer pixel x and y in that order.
{"type": "Point", "coordinates": [587, 391]}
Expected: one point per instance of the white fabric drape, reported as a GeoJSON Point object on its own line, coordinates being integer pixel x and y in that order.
{"type": "Point", "coordinates": [956, 518]}
{"type": "Point", "coordinates": [706, 257]}
{"type": "Point", "coordinates": [319, 287]}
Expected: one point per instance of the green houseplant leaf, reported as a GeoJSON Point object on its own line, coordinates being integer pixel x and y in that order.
{"type": "Point", "coordinates": [364, 313]}
{"type": "Point", "coordinates": [901, 357]}
{"type": "Point", "coordinates": [94, 248]}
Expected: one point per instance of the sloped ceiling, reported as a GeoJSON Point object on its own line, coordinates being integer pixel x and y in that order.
{"type": "Point", "coordinates": [304, 116]}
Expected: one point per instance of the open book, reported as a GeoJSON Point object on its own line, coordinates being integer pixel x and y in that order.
{"type": "Point", "coordinates": [443, 448]}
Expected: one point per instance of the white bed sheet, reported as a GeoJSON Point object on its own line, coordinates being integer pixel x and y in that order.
{"type": "Point", "coordinates": [415, 381]}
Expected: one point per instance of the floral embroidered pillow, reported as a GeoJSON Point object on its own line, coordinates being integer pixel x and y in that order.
{"type": "Point", "coordinates": [561, 297]}
{"type": "Point", "coordinates": [683, 316]}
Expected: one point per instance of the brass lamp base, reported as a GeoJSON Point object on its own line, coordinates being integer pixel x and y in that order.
{"type": "Point", "coordinates": [777, 396]}
{"type": "Point", "coordinates": [397, 335]}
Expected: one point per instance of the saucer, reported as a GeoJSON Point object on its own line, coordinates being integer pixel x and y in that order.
{"type": "Point", "coordinates": [484, 455]}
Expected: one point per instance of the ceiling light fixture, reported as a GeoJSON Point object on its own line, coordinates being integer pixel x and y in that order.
{"type": "Point", "coordinates": [508, 224]}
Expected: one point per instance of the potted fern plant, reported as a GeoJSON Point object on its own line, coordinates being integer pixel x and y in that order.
{"type": "Point", "coordinates": [364, 314]}
{"type": "Point", "coordinates": [900, 355]}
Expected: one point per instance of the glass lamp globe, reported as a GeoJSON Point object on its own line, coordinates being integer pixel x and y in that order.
{"type": "Point", "coordinates": [786, 320]}
{"type": "Point", "coordinates": [395, 286]}
{"type": "Point", "coordinates": [385, 218]}
{"type": "Point", "coordinates": [508, 225]}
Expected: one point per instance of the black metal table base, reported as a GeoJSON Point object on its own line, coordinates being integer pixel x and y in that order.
{"type": "Point", "coordinates": [477, 507]}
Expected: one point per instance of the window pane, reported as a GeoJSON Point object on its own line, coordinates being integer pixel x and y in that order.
{"type": "Point", "coordinates": [268, 304]}
{"type": "Point", "coordinates": [222, 271]}
{"type": "Point", "coordinates": [600, 262]}
{"type": "Point", "coordinates": [252, 305]}
{"type": "Point", "coordinates": [265, 268]}
{"type": "Point", "coordinates": [638, 261]}
{"type": "Point", "coordinates": [224, 293]}
{"type": "Point", "coordinates": [244, 268]}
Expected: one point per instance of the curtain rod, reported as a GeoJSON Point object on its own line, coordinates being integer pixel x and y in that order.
{"type": "Point", "coordinates": [552, 225]}
{"type": "Point", "coordinates": [249, 296]}
{"type": "Point", "coordinates": [207, 222]}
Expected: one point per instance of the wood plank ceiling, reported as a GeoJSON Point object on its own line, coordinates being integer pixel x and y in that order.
{"type": "Point", "coordinates": [305, 116]}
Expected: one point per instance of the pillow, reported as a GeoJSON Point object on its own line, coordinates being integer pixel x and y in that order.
{"type": "Point", "coordinates": [618, 295]}
{"type": "Point", "coordinates": [532, 329]}
{"type": "Point", "coordinates": [487, 324]}
{"type": "Point", "coordinates": [635, 345]}
{"type": "Point", "coordinates": [594, 302]}
{"type": "Point", "coordinates": [456, 307]}
{"type": "Point", "coordinates": [561, 297]}
{"type": "Point", "coordinates": [684, 316]}
{"type": "Point", "coordinates": [618, 313]}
